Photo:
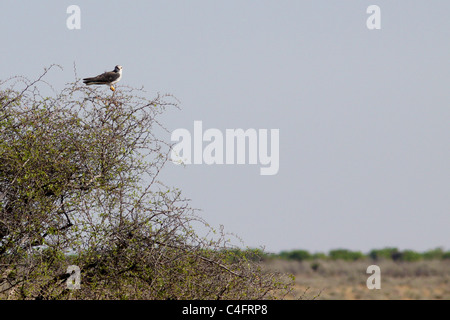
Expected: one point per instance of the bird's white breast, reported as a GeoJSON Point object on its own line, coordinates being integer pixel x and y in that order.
{"type": "Point", "coordinates": [118, 79]}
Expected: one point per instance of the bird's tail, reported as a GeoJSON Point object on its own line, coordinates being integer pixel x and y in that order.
{"type": "Point", "coordinates": [89, 81]}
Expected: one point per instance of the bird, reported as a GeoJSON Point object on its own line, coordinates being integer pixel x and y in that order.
{"type": "Point", "coordinates": [108, 78]}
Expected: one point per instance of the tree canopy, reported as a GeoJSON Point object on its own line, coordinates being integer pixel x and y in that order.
{"type": "Point", "coordinates": [79, 185]}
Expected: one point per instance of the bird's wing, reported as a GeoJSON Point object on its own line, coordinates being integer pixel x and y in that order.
{"type": "Point", "coordinates": [104, 78]}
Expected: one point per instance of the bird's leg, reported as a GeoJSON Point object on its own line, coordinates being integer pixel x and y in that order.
{"type": "Point", "coordinates": [112, 88]}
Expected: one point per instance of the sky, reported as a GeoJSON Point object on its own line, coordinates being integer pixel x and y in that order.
{"type": "Point", "coordinates": [363, 114]}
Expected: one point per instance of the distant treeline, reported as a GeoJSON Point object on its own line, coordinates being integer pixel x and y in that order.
{"type": "Point", "coordinates": [347, 255]}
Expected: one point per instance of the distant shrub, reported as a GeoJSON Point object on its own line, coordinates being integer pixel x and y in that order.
{"type": "Point", "coordinates": [410, 255]}
{"type": "Point", "coordinates": [395, 255]}
{"type": "Point", "coordinates": [434, 254]}
{"type": "Point", "coordinates": [344, 254]}
{"type": "Point", "coordinates": [385, 253]}
{"type": "Point", "coordinates": [315, 266]}
{"type": "Point", "coordinates": [298, 255]}
{"type": "Point", "coordinates": [388, 253]}
{"type": "Point", "coordinates": [319, 256]}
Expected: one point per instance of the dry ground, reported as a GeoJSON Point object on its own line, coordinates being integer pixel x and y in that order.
{"type": "Point", "coordinates": [347, 280]}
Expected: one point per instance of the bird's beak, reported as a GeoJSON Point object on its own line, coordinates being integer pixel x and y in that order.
{"type": "Point", "coordinates": [112, 88]}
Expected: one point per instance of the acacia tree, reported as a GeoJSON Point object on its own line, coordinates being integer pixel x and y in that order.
{"type": "Point", "coordinates": [79, 186]}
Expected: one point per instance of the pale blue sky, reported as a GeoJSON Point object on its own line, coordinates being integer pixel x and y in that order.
{"type": "Point", "coordinates": [363, 115]}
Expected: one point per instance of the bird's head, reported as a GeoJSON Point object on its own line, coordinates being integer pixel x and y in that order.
{"type": "Point", "coordinates": [118, 69]}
